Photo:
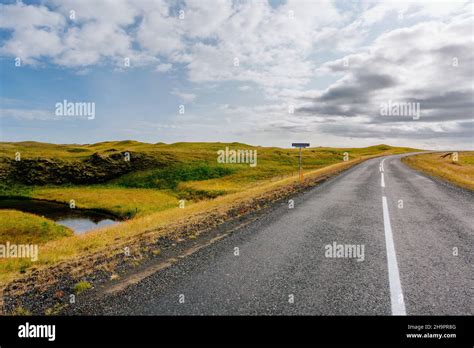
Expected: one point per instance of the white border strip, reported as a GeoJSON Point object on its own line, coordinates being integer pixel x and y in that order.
{"type": "Point", "coordinates": [396, 294]}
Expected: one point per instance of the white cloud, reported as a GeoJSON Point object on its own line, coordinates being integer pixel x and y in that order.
{"type": "Point", "coordinates": [207, 40]}
{"type": "Point", "coordinates": [28, 114]}
{"type": "Point", "coordinates": [162, 68]}
{"type": "Point", "coordinates": [244, 88]}
{"type": "Point", "coordinates": [185, 97]}
{"type": "Point", "coordinates": [272, 47]}
{"type": "Point", "coordinates": [160, 34]}
{"type": "Point", "coordinates": [19, 15]}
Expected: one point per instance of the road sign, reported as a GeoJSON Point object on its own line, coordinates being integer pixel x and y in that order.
{"type": "Point", "coordinates": [300, 146]}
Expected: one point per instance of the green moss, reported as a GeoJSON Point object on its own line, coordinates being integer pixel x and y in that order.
{"type": "Point", "coordinates": [21, 311]}
{"type": "Point", "coordinates": [58, 307]}
{"type": "Point", "coordinates": [81, 287]}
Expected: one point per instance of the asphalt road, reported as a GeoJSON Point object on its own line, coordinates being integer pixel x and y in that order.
{"type": "Point", "coordinates": [417, 258]}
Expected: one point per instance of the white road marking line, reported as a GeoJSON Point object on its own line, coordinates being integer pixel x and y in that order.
{"type": "Point", "coordinates": [382, 182]}
{"type": "Point", "coordinates": [396, 294]}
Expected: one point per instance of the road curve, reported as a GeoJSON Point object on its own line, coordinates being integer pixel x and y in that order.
{"type": "Point", "coordinates": [416, 233]}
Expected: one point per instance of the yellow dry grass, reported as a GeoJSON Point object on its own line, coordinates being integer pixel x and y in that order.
{"type": "Point", "coordinates": [121, 201]}
{"type": "Point", "coordinates": [460, 172]}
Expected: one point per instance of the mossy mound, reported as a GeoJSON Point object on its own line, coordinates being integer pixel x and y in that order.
{"type": "Point", "coordinates": [24, 228]}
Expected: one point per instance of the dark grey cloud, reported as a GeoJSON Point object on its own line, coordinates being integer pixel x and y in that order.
{"type": "Point", "coordinates": [359, 88]}
{"type": "Point", "coordinates": [463, 130]}
{"type": "Point", "coordinates": [431, 64]}
{"type": "Point", "coordinates": [348, 98]}
{"type": "Point", "coordinates": [331, 109]}
{"type": "Point", "coordinates": [445, 101]}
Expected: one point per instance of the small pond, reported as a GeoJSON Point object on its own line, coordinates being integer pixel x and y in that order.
{"type": "Point", "coordinates": [78, 220]}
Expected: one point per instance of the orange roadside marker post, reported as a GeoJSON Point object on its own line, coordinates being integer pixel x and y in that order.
{"type": "Point", "coordinates": [300, 146]}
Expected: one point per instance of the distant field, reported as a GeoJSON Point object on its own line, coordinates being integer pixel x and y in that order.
{"type": "Point", "coordinates": [445, 166]}
{"type": "Point", "coordinates": [147, 189]}
{"type": "Point", "coordinates": [163, 174]}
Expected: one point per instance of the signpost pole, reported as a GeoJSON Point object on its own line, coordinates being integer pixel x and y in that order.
{"type": "Point", "coordinates": [300, 146]}
{"type": "Point", "coordinates": [301, 169]}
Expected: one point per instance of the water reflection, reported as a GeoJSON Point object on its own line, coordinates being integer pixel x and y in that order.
{"type": "Point", "coordinates": [78, 220]}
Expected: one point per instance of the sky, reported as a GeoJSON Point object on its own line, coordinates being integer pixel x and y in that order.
{"type": "Point", "coordinates": [260, 72]}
